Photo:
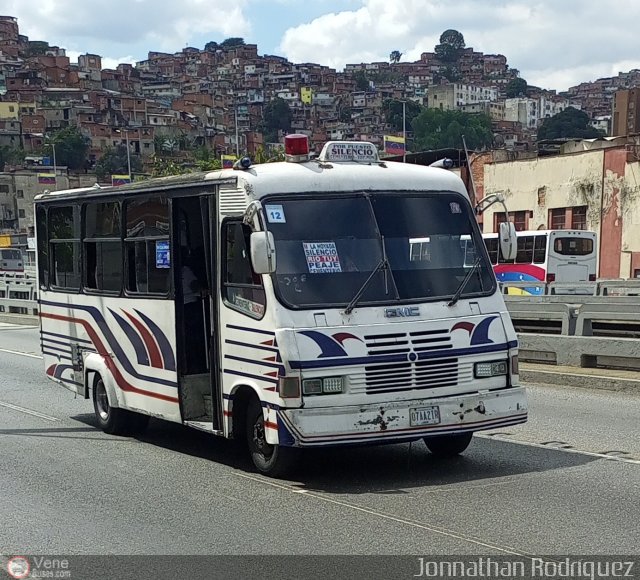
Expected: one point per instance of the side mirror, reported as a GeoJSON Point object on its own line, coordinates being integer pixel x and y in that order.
{"type": "Point", "coordinates": [263, 253]}
{"type": "Point", "coordinates": [508, 241]}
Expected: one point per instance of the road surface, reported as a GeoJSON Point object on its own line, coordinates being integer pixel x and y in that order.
{"type": "Point", "coordinates": [568, 482]}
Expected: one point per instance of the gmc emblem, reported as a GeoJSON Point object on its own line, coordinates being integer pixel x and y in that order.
{"type": "Point", "coordinates": [402, 311]}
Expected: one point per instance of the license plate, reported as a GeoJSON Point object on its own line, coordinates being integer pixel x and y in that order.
{"type": "Point", "coordinates": [424, 416]}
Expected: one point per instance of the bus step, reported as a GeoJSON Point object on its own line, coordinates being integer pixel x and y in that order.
{"type": "Point", "coordinates": [203, 426]}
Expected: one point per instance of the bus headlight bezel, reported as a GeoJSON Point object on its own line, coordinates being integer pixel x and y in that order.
{"type": "Point", "coordinates": [491, 368]}
{"type": "Point", "coordinates": [323, 386]}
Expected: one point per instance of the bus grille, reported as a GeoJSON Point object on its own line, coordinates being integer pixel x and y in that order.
{"type": "Point", "coordinates": [401, 342]}
{"type": "Point", "coordinates": [407, 376]}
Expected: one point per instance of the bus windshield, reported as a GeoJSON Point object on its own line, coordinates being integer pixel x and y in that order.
{"type": "Point", "coordinates": [328, 248]}
{"type": "Point", "coordinates": [11, 255]}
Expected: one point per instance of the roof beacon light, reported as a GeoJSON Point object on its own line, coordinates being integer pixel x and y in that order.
{"type": "Point", "coordinates": [242, 163]}
{"type": "Point", "coordinates": [296, 148]}
{"type": "Point", "coordinates": [358, 151]}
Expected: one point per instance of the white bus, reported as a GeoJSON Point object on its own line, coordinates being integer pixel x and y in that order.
{"type": "Point", "coordinates": [288, 305]}
{"type": "Point", "coordinates": [11, 260]}
{"type": "Point", "coordinates": [546, 256]}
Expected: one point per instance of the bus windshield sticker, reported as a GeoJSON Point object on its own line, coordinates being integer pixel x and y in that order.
{"type": "Point", "coordinates": [163, 259]}
{"type": "Point", "coordinates": [275, 214]}
{"type": "Point", "coordinates": [455, 207]}
{"type": "Point", "coordinates": [322, 257]}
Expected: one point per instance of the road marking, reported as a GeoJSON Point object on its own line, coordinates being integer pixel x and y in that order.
{"type": "Point", "coordinates": [558, 448]}
{"type": "Point", "coordinates": [28, 411]}
{"type": "Point", "coordinates": [21, 353]}
{"type": "Point", "coordinates": [406, 522]}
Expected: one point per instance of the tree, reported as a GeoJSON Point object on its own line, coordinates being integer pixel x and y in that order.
{"type": "Point", "coordinates": [114, 162]}
{"type": "Point", "coordinates": [568, 124]}
{"type": "Point", "coordinates": [362, 82]}
{"type": "Point", "coordinates": [10, 155]}
{"type": "Point", "coordinates": [450, 47]}
{"type": "Point", "coordinates": [439, 129]}
{"type": "Point", "coordinates": [71, 147]}
{"type": "Point", "coordinates": [232, 42]}
{"type": "Point", "coordinates": [516, 88]}
{"type": "Point", "coordinates": [393, 113]}
{"type": "Point", "coordinates": [211, 46]}
{"type": "Point", "coordinates": [395, 56]}
{"type": "Point", "coordinates": [276, 116]}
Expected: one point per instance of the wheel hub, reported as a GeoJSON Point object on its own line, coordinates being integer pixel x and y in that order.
{"type": "Point", "coordinates": [102, 401]}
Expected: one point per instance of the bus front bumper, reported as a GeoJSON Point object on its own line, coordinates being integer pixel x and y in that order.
{"type": "Point", "coordinates": [402, 420]}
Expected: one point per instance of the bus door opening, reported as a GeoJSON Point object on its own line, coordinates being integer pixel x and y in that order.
{"type": "Point", "coordinates": [193, 285]}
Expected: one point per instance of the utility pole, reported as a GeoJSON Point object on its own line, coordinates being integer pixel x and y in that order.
{"type": "Point", "coordinates": [404, 131]}
{"type": "Point", "coordinates": [55, 169]}
{"type": "Point", "coordinates": [126, 134]}
{"type": "Point", "coordinates": [235, 111]}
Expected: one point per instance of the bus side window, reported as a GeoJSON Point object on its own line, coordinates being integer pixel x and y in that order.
{"type": "Point", "coordinates": [540, 249]}
{"type": "Point", "coordinates": [147, 248]}
{"type": "Point", "coordinates": [43, 244]}
{"type": "Point", "coordinates": [102, 247]}
{"type": "Point", "coordinates": [64, 247]}
{"type": "Point", "coordinates": [492, 248]}
{"type": "Point", "coordinates": [242, 286]}
{"type": "Point", "coordinates": [525, 250]}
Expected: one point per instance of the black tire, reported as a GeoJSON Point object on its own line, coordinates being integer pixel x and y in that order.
{"type": "Point", "coordinates": [112, 420]}
{"type": "Point", "coordinates": [448, 445]}
{"type": "Point", "coordinates": [271, 460]}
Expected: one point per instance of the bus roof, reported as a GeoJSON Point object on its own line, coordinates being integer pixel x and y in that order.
{"type": "Point", "coordinates": [284, 177]}
{"type": "Point", "coordinates": [545, 232]}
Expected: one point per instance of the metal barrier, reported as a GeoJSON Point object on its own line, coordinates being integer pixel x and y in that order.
{"type": "Point", "coordinates": [18, 293]}
{"type": "Point", "coordinates": [602, 287]}
{"type": "Point", "coordinates": [576, 329]}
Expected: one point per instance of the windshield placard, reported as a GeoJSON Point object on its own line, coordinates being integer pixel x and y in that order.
{"type": "Point", "coordinates": [337, 151]}
{"type": "Point", "coordinates": [322, 257]}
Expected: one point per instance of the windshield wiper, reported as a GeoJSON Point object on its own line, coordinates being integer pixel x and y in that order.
{"type": "Point", "coordinates": [464, 282]}
{"type": "Point", "coordinates": [383, 264]}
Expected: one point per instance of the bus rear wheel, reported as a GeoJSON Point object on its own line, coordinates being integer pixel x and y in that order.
{"type": "Point", "coordinates": [271, 460]}
{"type": "Point", "coordinates": [113, 420]}
{"type": "Point", "coordinates": [448, 445]}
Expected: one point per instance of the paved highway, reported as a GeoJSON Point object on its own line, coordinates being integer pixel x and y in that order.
{"type": "Point", "coordinates": [542, 488]}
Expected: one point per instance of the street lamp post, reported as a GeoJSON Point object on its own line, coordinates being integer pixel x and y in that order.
{"type": "Point", "coordinates": [126, 136]}
{"type": "Point", "coordinates": [48, 142]}
{"type": "Point", "coordinates": [235, 110]}
{"type": "Point", "coordinates": [404, 131]}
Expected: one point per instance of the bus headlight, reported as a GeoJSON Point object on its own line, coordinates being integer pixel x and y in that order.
{"type": "Point", "coordinates": [324, 386]}
{"type": "Point", "coordinates": [483, 370]}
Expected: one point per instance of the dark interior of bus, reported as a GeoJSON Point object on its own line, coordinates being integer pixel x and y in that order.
{"type": "Point", "coordinates": [193, 315]}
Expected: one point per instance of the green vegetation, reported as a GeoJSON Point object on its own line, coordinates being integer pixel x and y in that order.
{"type": "Point", "coordinates": [10, 155]}
{"type": "Point", "coordinates": [568, 124]}
{"type": "Point", "coordinates": [114, 162]}
{"type": "Point", "coordinates": [393, 113]}
{"type": "Point", "coordinates": [71, 147]}
{"type": "Point", "coordinates": [438, 129]}
{"type": "Point", "coordinates": [231, 42]}
{"type": "Point", "coordinates": [395, 56]}
{"type": "Point", "coordinates": [516, 88]}
{"type": "Point", "coordinates": [450, 47]}
{"type": "Point", "coordinates": [276, 117]}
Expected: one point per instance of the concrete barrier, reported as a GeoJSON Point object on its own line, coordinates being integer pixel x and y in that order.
{"type": "Point", "coordinates": [523, 313]}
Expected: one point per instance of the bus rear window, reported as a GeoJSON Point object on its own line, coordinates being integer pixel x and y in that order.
{"type": "Point", "coordinates": [572, 246]}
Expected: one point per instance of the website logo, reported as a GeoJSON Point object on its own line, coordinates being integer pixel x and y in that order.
{"type": "Point", "coordinates": [18, 567]}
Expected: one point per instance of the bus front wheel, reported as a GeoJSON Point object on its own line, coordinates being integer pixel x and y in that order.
{"type": "Point", "coordinates": [113, 420]}
{"type": "Point", "coordinates": [448, 445]}
{"type": "Point", "coordinates": [271, 460]}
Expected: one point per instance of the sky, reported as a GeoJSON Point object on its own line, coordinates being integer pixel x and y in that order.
{"type": "Point", "coordinates": [554, 44]}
